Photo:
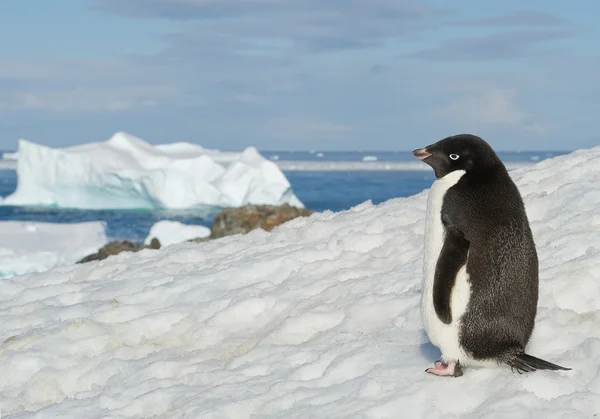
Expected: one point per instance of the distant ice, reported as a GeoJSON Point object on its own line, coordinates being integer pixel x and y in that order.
{"type": "Point", "coordinates": [369, 158]}
{"type": "Point", "coordinates": [127, 172]}
{"type": "Point", "coordinates": [8, 164]}
{"type": "Point", "coordinates": [36, 247]}
{"type": "Point", "coordinates": [171, 232]}
{"type": "Point", "coordinates": [10, 156]}
{"type": "Point", "coordinates": [319, 318]}
{"type": "Point", "coordinates": [331, 166]}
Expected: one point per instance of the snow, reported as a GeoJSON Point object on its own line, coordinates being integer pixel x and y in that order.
{"type": "Point", "coordinates": [317, 319]}
{"type": "Point", "coordinates": [171, 232]}
{"type": "Point", "coordinates": [127, 172]}
{"type": "Point", "coordinates": [36, 247]}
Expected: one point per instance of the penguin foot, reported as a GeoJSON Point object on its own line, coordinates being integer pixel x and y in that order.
{"type": "Point", "coordinates": [442, 369]}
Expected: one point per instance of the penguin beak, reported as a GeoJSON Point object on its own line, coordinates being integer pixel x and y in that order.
{"type": "Point", "coordinates": [421, 153]}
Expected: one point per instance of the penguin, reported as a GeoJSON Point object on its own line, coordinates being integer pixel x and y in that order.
{"type": "Point", "coordinates": [480, 267]}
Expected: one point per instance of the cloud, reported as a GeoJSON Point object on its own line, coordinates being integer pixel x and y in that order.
{"type": "Point", "coordinates": [83, 86]}
{"type": "Point", "coordinates": [332, 129]}
{"type": "Point", "coordinates": [78, 100]}
{"type": "Point", "coordinates": [188, 9]}
{"type": "Point", "coordinates": [234, 72]}
{"type": "Point", "coordinates": [310, 25]}
{"type": "Point", "coordinates": [489, 107]}
{"type": "Point", "coordinates": [540, 129]}
{"type": "Point", "coordinates": [212, 9]}
{"type": "Point", "coordinates": [529, 18]}
{"type": "Point", "coordinates": [309, 129]}
{"type": "Point", "coordinates": [486, 106]}
{"type": "Point", "coordinates": [496, 46]}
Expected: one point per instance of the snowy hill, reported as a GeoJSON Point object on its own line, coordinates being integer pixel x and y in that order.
{"type": "Point", "coordinates": [127, 172]}
{"type": "Point", "coordinates": [317, 319]}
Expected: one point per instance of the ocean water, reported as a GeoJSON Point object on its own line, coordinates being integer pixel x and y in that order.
{"type": "Point", "coordinates": [393, 156]}
{"type": "Point", "coordinates": [318, 190]}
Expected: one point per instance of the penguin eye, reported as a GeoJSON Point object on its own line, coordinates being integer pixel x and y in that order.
{"type": "Point", "coordinates": [454, 156]}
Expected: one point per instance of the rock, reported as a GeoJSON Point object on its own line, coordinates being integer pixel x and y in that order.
{"type": "Point", "coordinates": [200, 240]}
{"type": "Point", "coordinates": [116, 247]}
{"type": "Point", "coordinates": [244, 219]}
{"type": "Point", "coordinates": [228, 222]}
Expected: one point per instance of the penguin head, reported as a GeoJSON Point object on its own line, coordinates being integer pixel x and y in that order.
{"type": "Point", "coordinates": [459, 152]}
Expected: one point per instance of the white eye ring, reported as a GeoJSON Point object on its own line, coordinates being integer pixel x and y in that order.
{"type": "Point", "coordinates": [454, 156]}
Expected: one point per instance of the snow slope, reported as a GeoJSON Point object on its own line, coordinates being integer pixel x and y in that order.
{"type": "Point", "coordinates": [127, 172]}
{"type": "Point", "coordinates": [317, 319]}
{"type": "Point", "coordinates": [36, 247]}
{"type": "Point", "coordinates": [170, 232]}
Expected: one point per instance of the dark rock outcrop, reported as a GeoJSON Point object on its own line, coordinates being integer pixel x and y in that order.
{"type": "Point", "coordinates": [244, 219]}
{"type": "Point", "coordinates": [228, 222]}
{"type": "Point", "coordinates": [116, 247]}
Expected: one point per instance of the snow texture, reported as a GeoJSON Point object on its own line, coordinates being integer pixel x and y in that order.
{"type": "Point", "coordinates": [317, 319]}
{"type": "Point", "coordinates": [171, 232]}
{"type": "Point", "coordinates": [127, 172]}
{"type": "Point", "coordinates": [36, 247]}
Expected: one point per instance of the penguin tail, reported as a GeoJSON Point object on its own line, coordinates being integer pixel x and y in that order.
{"type": "Point", "coordinates": [523, 362]}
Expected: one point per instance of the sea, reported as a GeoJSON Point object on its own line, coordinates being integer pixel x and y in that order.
{"type": "Point", "coordinates": [324, 180]}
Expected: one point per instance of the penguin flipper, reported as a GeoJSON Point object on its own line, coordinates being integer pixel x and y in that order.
{"type": "Point", "coordinates": [523, 362]}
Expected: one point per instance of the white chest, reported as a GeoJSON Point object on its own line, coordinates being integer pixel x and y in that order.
{"type": "Point", "coordinates": [434, 229]}
{"type": "Point", "coordinates": [444, 336]}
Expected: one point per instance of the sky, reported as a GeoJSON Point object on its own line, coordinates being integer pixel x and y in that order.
{"type": "Point", "coordinates": [300, 74]}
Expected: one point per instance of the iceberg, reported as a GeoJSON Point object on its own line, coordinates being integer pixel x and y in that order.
{"type": "Point", "coordinates": [36, 247]}
{"type": "Point", "coordinates": [127, 172]}
{"type": "Point", "coordinates": [171, 232]}
{"type": "Point", "coordinates": [319, 318]}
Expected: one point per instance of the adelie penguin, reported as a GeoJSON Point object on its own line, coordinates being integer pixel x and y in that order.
{"type": "Point", "coordinates": [480, 284]}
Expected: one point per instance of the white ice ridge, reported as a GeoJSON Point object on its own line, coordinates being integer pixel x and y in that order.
{"type": "Point", "coordinates": [317, 319]}
{"type": "Point", "coordinates": [36, 247]}
{"type": "Point", "coordinates": [170, 232]}
{"type": "Point", "coordinates": [127, 172]}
